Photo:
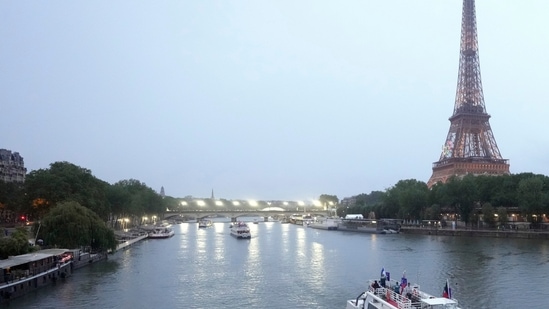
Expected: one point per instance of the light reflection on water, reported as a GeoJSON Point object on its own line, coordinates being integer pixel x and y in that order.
{"type": "Point", "coordinates": [288, 266]}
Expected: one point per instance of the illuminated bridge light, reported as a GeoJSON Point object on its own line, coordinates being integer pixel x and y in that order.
{"type": "Point", "coordinates": [200, 203]}
{"type": "Point", "coordinates": [236, 203]}
{"type": "Point", "coordinates": [253, 203]}
{"type": "Point", "coordinates": [218, 203]}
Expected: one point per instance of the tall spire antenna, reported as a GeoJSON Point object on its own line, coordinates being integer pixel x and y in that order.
{"type": "Point", "coordinates": [470, 146]}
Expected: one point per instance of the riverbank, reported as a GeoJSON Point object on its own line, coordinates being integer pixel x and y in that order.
{"type": "Point", "coordinates": [527, 234]}
{"type": "Point", "coordinates": [25, 273]}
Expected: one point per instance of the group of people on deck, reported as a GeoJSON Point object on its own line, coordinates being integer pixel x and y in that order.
{"type": "Point", "coordinates": [402, 288]}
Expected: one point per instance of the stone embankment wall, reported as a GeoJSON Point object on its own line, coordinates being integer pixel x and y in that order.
{"type": "Point", "coordinates": [476, 233]}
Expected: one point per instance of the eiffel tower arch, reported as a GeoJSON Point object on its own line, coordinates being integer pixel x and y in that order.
{"type": "Point", "coordinates": [470, 146]}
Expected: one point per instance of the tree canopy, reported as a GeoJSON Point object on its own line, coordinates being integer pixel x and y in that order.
{"type": "Point", "coordinates": [65, 181]}
{"type": "Point", "coordinates": [15, 244]}
{"type": "Point", "coordinates": [71, 225]}
{"type": "Point", "coordinates": [469, 197]}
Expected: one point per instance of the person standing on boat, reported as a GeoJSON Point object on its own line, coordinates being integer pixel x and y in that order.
{"type": "Point", "coordinates": [375, 285]}
{"type": "Point", "coordinates": [383, 278]}
{"type": "Point", "coordinates": [407, 291]}
{"type": "Point", "coordinates": [396, 288]}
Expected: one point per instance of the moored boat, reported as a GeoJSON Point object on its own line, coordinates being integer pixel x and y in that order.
{"type": "Point", "coordinates": [161, 232]}
{"type": "Point", "coordinates": [203, 223]}
{"type": "Point", "coordinates": [325, 224]}
{"type": "Point", "coordinates": [22, 274]}
{"type": "Point", "coordinates": [240, 230]}
{"type": "Point", "coordinates": [374, 226]}
{"type": "Point", "coordinates": [387, 294]}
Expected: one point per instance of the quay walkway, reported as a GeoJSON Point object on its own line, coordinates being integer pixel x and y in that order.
{"type": "Point", "coordinates": [128, 242]}
{"type": "Point", "coordinates": [468, 232]}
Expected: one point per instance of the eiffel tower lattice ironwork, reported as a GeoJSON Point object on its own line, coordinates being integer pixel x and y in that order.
{"type": "Point", "coordinates": [470, 146]}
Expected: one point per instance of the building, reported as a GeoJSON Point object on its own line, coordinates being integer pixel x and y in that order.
{"type": "Point", "coordinates": [12, 166]}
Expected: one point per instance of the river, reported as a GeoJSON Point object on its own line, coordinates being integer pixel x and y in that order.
{"type": "Point", "coordinates": [289, 266]}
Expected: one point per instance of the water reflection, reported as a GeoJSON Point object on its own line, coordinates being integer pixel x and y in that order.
{"type": "Point", "coordinates": [288, 266]}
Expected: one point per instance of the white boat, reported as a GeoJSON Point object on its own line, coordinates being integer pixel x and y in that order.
{"type": "Point", "coordinates": [240, 230]}
{"type": "Point", "coordinates": [387, 294]}
{"type": "Point", "coordinates": [204, 223]}
{"type": "Point", "coordinates": [161, 232]}
{"type": "Point", "coordinates": [325, 224]}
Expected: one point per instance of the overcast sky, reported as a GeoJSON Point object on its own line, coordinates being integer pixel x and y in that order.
{"type": "Point", "coordinates": [268, 100]}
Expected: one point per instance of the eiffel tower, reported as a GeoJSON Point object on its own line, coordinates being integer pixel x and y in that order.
{"type": "Point", "coordinates": [470, 146]}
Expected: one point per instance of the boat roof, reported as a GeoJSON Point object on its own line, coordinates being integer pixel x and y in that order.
{"type": "Point", "coordinates": [30, 257]}
{"type": "Point", "coordinates": [438, 301]}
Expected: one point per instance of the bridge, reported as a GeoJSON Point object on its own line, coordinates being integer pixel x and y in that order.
{"type": "Point", "coordinates": [212, 207]}
{"type": "Point", "coordinates": [235, 213]}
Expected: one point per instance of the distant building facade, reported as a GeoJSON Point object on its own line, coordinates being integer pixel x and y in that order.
{"type": "Point", "coordinates": [12, 166]}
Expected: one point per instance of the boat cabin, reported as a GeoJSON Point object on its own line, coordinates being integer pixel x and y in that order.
{"type": "Point", "coordinates": [22, 273]}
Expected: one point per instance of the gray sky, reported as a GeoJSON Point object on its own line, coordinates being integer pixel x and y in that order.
{"type": "Point", "coordinates": [281, 100]}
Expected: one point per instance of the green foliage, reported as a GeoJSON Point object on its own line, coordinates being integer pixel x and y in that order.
{"type": "Point", "coordinates": [64, 181]}
{"type": "Point", "coordinates": [70, 225]}
{"type": "Point", "coordinates": [409, 197]}
{"type": "Point", "coordinates": [461, 195]}
{"type": "Point", "coordinates": [488, 213]}
{"type": "Point", "coordinates": [15, 244]}
{"type": "Point", "coordinates": [530, 195]}
{"type": "Point", "coordinates": [433, 212]}
{"type": "Point", "coordinates": [326, 199]}
{"type": "Point", "coordinates": [132, 197]}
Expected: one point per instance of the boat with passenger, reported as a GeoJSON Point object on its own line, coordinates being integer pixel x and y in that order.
{"type": "Point", "coordinates": [240, 230]}
{"type": "Point", "coordinates": [387, 294]}
{"type": "Point", "coordinates": [203, 223]}
{"type": "Point", "coordinates": [161, 232]}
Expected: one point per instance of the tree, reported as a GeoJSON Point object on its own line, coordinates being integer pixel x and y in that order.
{"type": "Point", "coordinates": [411, 197]}
{"type": "Point", "coordinates": [135, 198]}
{"type": "Point", "coordinates": [488, 214]}
{"type": "Point", "coordinates": [461, 194]}
{"type": "Point", "coordinates": [432, 212]}
{"type": "Point", "coordinates": [326, 199]}
{"type": "Point", "coordinates": [71, 225]}
{"type": "Point", "coordinates": [65, 181]}
{"type": "Point", "coordinates": [530, 195]}
{"type": "Point", "coordinates": [15, 244]}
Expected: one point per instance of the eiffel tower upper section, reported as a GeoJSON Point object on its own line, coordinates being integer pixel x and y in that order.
{"type": "Point", "coordinates": [470, 146]}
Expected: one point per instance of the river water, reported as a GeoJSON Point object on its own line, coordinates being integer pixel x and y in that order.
{"type": "Point", "coordinates": [289, 266]}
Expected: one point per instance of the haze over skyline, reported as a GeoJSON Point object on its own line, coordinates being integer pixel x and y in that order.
{"type": "Point", "coordinates": [276, 100]}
